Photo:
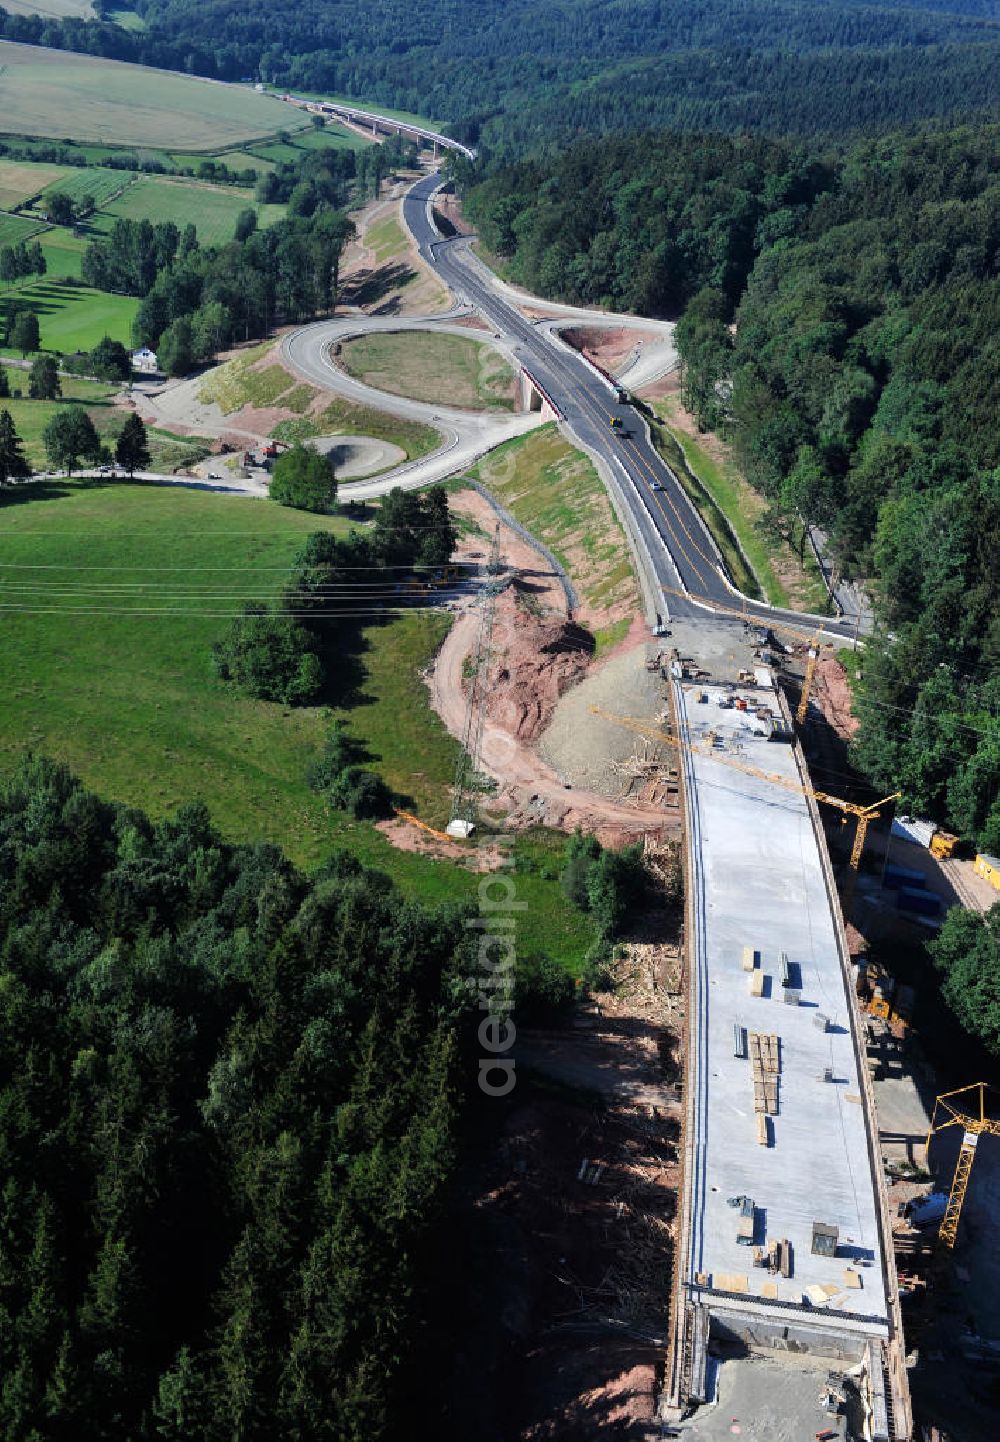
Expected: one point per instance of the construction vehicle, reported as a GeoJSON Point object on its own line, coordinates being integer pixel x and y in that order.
{"type": "Point", "coordinates": [951, 1107]}
{"type": "Point", "coordinates": [943, 845]}
{"type": "Point", "coordinates": [863, 814]}
{"type": "Point", "coordinates": [880, 995]}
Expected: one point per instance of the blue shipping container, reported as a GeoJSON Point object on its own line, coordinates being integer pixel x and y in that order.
{"type": "Point", "coordinates": [925, 903]}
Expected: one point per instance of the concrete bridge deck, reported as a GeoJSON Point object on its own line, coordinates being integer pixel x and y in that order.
{"type": "Point", "coordinates": [761, 898]}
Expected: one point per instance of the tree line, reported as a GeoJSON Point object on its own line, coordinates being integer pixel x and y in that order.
{"type": "Point", "coordinates": [288, 651]}
{"type": "Point", "coordinates": [518, 79]}
{"type": "Point", "coordinates": [839, 320]}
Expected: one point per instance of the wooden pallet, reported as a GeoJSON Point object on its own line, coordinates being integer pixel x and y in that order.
{"type": "Point", "coordinates": [764, 1050]}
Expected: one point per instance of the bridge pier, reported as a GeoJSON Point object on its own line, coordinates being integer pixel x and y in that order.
{"type": "Point", "coordinates": [534, 398]}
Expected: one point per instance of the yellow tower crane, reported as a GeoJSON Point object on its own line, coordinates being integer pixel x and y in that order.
{"type": "Point", "coordinates": [974, 1123]}
{"type": "Point", "coordinates": [863, 814]}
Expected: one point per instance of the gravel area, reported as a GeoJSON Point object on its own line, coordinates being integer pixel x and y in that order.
{"type": "Point", "coordinates": [584, 749]}
{"type": "Point", "coordinates": [581, 746]}
{"type": "Point", "coordinates": [356, 456]}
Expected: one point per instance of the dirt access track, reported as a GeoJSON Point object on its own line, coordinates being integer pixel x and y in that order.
{"type": "Point", "coordinates": [574, 1207]}
{"type": "Point", "coordinates": [537, 655]}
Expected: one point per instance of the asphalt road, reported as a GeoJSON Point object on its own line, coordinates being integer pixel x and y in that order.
{"type": "Point", "coordinates": [466, 435]}
{"type": "Point", "coordinates": [667, 528]}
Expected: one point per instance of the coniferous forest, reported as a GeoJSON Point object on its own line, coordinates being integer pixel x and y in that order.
{"type": "Point", "coordinates": [228, 1099]}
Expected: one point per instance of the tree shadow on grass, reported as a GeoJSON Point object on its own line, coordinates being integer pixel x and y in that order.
{"type": "Point", "coordinates": [46, 298]}
{"type": "Point", "coordinates": [374, 285]}
{"type": "Point", "coordinates": [343, 647]}
{"type": "Point", "coordinates": [21, 491]}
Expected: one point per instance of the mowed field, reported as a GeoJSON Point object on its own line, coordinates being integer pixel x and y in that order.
{"type": "Point", "coordinates": [94, 183]}
{"type": "Point", "coordinates": [106, 596]}
{"type": "Point", "coordinates": [72, 316]}
{"type": "Point", "coordinates": [211, 209]}
{"type": "Point", "coordinates": [54, 93]}
{"type": "Point", "coordinates": [427, 366]}
{"type": "Point", "coordinates": [106, 650]}
{"type": "Point", "coordinates": [14, 229]}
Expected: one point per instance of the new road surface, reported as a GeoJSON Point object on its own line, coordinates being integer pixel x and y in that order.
{"type": "Point", "coordinates": [683, 571]}
{"type": "Point", "coordinates": [663, 521]}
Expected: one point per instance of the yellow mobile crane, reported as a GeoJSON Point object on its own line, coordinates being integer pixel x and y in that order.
{"type": "Point", "coordinates": [974, 1123]}
{"type": "Point", "coordinates": [863, 814]}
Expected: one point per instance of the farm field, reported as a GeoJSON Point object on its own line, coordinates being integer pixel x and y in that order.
{"type": "Point", "coordinates": [94, 184]}
{"type": "Point", "coordinates": [332, 134]}
{"type": "Point", "coordinates": [63, 252]}
{"type": "Point", "coordinates": [212, 209]}
{"type": "Point", "coordinates": [57, 9]}
{"type": "Point", "coordinates": [161, 730]}
{"type": "Point", "coordinates": [331, 137]}
{"type": "Point", "coordinates": [243, 160]}
{"type": "Point", "coordinates": [427, 366]}
{"type": "Point", "coordinates": [55, 93]}
{"type": "Point", "coordinates": [20, 179]}
{"type": "Point", "coordinates": [14, 228]}
{"type": "Point", "coordinates": [73, 317]}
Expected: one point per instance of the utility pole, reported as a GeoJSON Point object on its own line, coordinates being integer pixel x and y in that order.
{"type": "Point", "coordinates": [463, 804]}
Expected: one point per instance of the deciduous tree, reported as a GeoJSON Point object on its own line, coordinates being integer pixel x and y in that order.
{"type": "Point", "coordinates": [132, 445]}
{"type": "Point", "coordinates": [70, 437]}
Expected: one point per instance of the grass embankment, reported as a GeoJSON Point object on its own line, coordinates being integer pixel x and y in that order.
{"type": "Point", "coordinates": [382, 270]}
{"type": "Point", "coordinates": [555, 492]}
{"type": "Point", "coordinates": [132, 705]}
{"type": "Point", "coordinates": [386, 239]}
{"type": "Point", "coordinates": [56, 93]}
{"type": "Point", "coordinates": [427, 366]}
{"type": "Point", "coordinates": [761, 562]}
{"type": "Point", "coordinates": [248, 380]}
{"type": "Point", "coordinates": [167, 452]}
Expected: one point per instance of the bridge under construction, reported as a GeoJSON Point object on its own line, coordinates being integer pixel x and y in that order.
{"type": "Point", "coordinates": [785, 1240]}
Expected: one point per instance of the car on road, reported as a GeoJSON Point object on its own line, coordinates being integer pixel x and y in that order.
{"type": "Point", "coordinates": [656, 485]}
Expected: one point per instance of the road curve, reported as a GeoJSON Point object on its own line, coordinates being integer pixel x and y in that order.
{"type": "Point", "coordinates": [664, 524]}
{"type": "Point", "coordinates": [683, 570]}
{"type": "Point", "coordinates": [467, 435]}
